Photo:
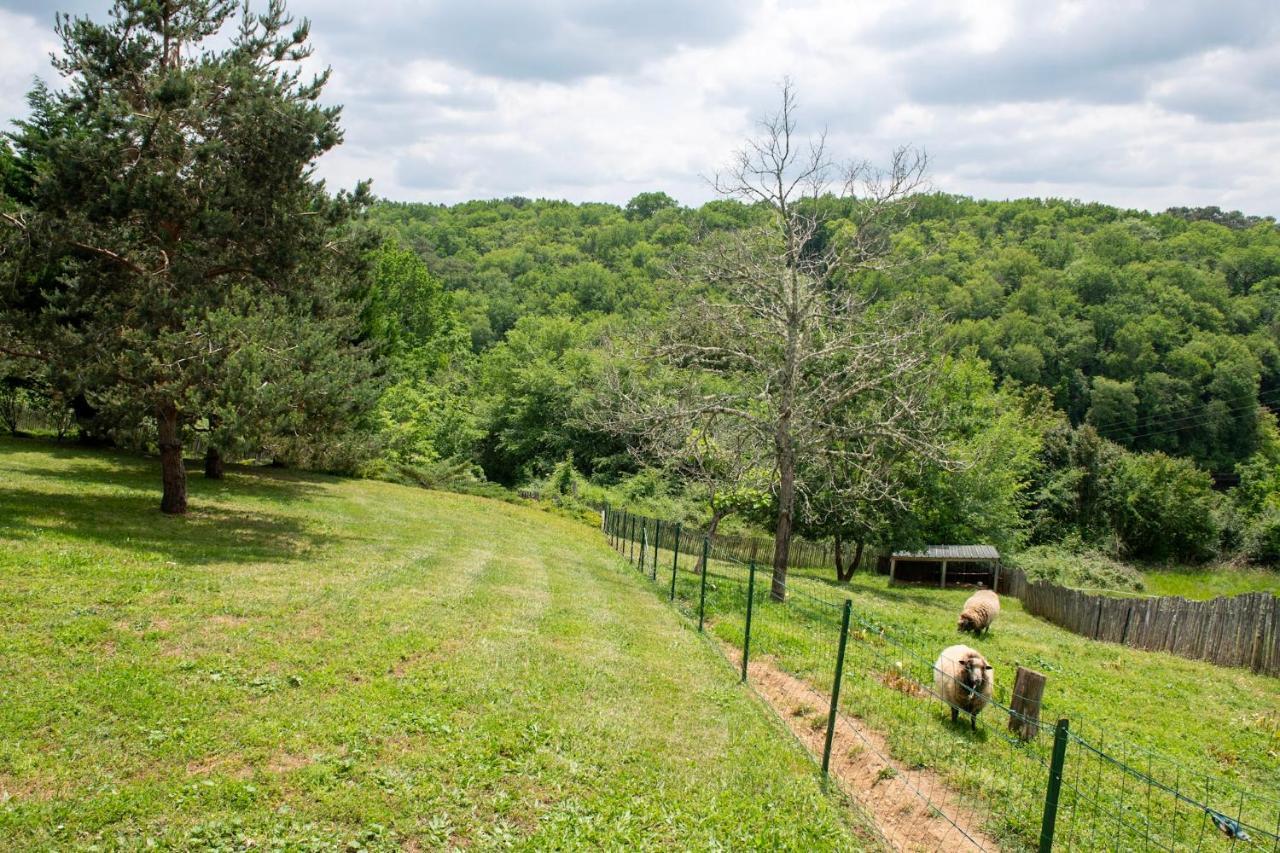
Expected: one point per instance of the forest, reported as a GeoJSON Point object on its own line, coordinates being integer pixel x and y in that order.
{"type": "Point", "coordinates": [1100, 379]}
{"type": "Point", "coordinates": [1105, 368]}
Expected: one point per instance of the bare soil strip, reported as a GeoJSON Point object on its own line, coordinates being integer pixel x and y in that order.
{"type": "Point", "coordinates": [884, 788]}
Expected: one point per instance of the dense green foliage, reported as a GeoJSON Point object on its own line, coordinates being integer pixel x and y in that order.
{"type": "Point", "coordinates": [1098, 364]}
{"type": "Point", "coordinates": [1100, 357]}
{"type": "Point", "coordinates": [174, 260]}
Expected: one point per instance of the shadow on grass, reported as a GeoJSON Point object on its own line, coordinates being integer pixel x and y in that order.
{"type": "Point", "coordinates": [208, 534]}
{"type": "Point", "coordinates": [140, 472]}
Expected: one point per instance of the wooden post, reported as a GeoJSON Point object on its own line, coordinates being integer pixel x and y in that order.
{"type": "Point", "coordinates": [995, 583]}
{"type": "Point", "coordinates": [943, 584]}
{"type": "Point", "coordinates": [893, 570]}
{"type": "Point", "coordinates": [1028, 691]}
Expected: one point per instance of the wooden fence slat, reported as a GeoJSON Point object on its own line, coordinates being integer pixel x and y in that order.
{"type": "Point", "coordinates": [1240, 631]}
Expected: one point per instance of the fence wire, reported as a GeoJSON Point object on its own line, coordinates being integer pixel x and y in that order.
{"type": "Point", "coordinates": [924, 780]}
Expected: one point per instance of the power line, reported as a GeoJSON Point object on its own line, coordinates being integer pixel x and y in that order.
{"type": "Point", "coordinates": [1200, 413]}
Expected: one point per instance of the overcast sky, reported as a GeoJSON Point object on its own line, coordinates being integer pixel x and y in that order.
{"type": "Point", "coordinates": [1147, 105]}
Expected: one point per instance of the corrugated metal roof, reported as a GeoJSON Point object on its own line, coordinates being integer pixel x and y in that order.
{"type": "Point", "coordinates": [952, 552]}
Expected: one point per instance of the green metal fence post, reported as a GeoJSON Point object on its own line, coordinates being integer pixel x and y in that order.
{"type": "Point", "coordinates": [1055, 786]}
{"type": "Point", "coordinates": [835, 688]}
{"type": "Point", "coordinates": [702, 596]}
{"type": "Point", "coordinates": [657, 537]}
{"type": "Point", "coordinates": [675, 562]}
{"type": "Point", "coordinates": [746, 636]}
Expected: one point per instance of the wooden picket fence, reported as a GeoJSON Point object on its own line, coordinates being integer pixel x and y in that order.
{"type": "Point", "coordinates": [1243, 630]}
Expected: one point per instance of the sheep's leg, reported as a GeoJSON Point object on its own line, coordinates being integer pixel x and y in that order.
{"type": "Point", "coordinates": [973, 719]}
{"type": "Point", "coordinates": [955, 713]}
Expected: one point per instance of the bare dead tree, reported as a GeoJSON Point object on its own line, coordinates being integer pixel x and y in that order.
{"type": "Point", "coordinates": [773, 341]}
{"type": "Point", "coordinates": [719, 455]}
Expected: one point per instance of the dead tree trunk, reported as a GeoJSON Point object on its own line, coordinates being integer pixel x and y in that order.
{"type": "Point", "coordinates": [786, 504]}
{"type": "Point", "coordinates": [172, 470]}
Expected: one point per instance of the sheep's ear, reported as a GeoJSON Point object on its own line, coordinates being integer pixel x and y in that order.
{"type": "Point", "coordinates": [988, 666]}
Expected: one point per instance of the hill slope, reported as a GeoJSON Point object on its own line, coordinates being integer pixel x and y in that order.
{"type": "Point", "coordinates": [332, 662]}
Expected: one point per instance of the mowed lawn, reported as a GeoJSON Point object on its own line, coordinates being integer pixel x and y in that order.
{"type": "Point", "coordinates": [316, 663]}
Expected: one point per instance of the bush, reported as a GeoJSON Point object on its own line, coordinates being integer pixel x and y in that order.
{"type": "Point", "coordinates": [1167, 509]}
{"type": "Point", "coordinates": [1084, 570]}
{"type": "Point", "coordinates": [1262, 537]}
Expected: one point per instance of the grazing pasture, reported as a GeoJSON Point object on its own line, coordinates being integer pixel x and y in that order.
{"type": "Point", "coordinates": [319, 663]}
{"type": "Point", "coordinates": [1192, 735]}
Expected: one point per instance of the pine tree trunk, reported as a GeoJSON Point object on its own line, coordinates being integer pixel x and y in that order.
{"type": "Point", "coordinates": [172, 470]}
{"type": "Point", "coordinates": [213, 456]}
{"type": "Point", "coordinates": [213, 464]}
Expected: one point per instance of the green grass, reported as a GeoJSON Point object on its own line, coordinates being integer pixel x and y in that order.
{"type": "Point", "coordinates": [315, 663]}
{"type": "Point", "coordinates": [1097, 572]}
{"type": "Point", "coordinates": [1199, 582]}
{"type": "Point", "coordinates": [1212, 732]}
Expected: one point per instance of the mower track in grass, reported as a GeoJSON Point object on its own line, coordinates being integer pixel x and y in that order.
{"type": "Point", "coordinates": [314, 662]}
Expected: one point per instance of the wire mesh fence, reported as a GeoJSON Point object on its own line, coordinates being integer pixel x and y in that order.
{"type": "Point", "coordinates": [889, 721]}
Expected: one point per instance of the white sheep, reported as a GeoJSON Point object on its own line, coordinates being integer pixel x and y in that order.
{"type": "Point", "coordinates": [963, 679]}
{"type": "Point", "coordinates": [980, 610]}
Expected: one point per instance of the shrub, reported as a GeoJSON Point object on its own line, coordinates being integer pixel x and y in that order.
{"type": "Point", "coordinates": [1167, 509]}
{"type": "Point", "coordinates": [1084, 570]}
{"type": "Point", "coordinates": [1262, 537]}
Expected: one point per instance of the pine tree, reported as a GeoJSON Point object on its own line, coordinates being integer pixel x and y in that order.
{"type": "Point", "coordinates": [207, 278]}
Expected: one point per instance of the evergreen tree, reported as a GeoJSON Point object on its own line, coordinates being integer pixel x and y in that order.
{"type": "Point", "coordinates": [206, 277]}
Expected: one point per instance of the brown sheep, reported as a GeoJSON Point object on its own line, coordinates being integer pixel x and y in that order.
{"type": "Point", "coordinates": [964, 680]}
{"type": "Point", "coordinates": [979, 612]}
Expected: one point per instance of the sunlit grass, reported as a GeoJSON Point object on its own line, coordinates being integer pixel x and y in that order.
{"type": "Point", "coordinates": [330, 664]}
{"type": "Point", "coordinates": [1200, 582]}
{"type": "Point", "coordinates": [1209, 731]}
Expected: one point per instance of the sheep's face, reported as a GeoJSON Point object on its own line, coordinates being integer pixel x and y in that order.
{"type": "Point", "coordinates": [965, 623]}
{"type": "Point", "coordinates": [976, 672]}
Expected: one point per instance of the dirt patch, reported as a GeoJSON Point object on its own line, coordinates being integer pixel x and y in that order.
{"type": "Point", "coordinates": [232, 766]}
{"type": "Point", "coordinates": [236, 767]}
{"type": "Point", "coordinates": [286, 762]}
{"type": "Point", "coordinates": [30, 791]}
{"type": "Point", "coordinates": [912, 808]}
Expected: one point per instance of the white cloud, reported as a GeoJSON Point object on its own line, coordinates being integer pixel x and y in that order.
{"type": "Point", "coordinates": [24, 53]}
{"type": "Point", "coordinates": [1134, 103]}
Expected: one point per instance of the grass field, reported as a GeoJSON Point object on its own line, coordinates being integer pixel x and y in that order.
{"type": "Point", "coordinates": [314, 663]}
{"type": "Point", "coordinates": [1211, 732]}
{"type": "Point", "coordinates": [1201, 582]}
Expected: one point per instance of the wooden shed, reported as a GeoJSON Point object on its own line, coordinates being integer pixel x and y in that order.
{"type": "Point", "coordinates": [961, 565]}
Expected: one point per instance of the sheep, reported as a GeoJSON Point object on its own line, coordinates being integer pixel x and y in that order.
{"type": "Point", "coordinates": [963, 679]}
{"type": "Point", "coordinates": [979, 612]}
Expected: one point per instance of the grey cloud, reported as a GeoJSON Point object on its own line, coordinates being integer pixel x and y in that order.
{"type": "Point", "coordinates": [43, 10]}
{"type": "Point", "coordinates": [557, 40]}
{"type": "Point", "coordinates": [1109, 54]}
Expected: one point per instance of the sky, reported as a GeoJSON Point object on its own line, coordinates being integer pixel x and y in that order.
{"type": "Point", "coordinates": [1138, 104]}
